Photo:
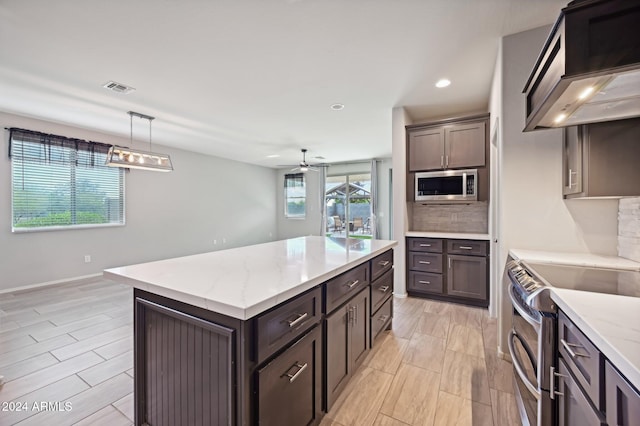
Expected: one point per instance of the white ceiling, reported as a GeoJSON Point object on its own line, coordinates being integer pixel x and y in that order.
{"type": "Point", "coordinates": [246, 79]}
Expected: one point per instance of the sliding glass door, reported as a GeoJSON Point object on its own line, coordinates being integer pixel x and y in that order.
{"type": "Point", "coordinates": [348, 199]}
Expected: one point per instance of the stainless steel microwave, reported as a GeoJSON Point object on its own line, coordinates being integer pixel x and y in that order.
{"type": "Point", "coordinates": [447, 185]}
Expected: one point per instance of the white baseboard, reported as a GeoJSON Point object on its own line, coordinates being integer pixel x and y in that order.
{"type": "Point", "coordinates": [51, 283]}
{"type": "Point", "coordinates": [504, 355]}
{"type": "Point", "coordinates": [400, 295]}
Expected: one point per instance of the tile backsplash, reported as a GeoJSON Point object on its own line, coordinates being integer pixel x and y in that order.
{"type": "Point", "coordinates": [472, 218]}
{"type": "Point", "coordinates": [629, 228]}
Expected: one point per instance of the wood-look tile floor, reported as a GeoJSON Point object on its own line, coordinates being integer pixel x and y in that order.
{"type": "Point", "coordinates": [437, 366]}
{"type": "Point", "coordinates": [70, 348]}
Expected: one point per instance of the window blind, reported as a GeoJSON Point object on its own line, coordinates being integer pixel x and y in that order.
{"type": "Point", "coordinates": [60, 182]}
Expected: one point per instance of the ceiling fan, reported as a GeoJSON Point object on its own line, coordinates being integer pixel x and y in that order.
{"type": "Point", "coordinates": [303, 166]}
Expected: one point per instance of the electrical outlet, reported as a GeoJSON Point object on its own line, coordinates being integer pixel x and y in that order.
{"type": "Point", "coordinates": [87, 258]}
{"type": "Point", "coordinates": [224, 241]}
{"type": "Point", "coordinates": [215, 242]}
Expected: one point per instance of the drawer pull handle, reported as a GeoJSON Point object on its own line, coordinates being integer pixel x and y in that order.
{"type": "Point", "coordinates": [383, 263]}
{"type": "Point", "coordinates": [569, 348]}
{"type": "Point", "coordinates": [552, 377]}
{"type": "Point", "coordinates": [294, 376]}
{"type": "Point", "coordinates": [424, 262]}
{"type": "Point", "coordinates": [466, 248]}
{"type": "Point", "coordinates": [384, 288]}
{"type": "Point", "coordinates": [383, 318]}
{"type": "Point", "coordinates": [424, 282]}
{"type": "Point", "coordinates": [355, 315]}
{"type": "Point", "coordinates": [352, 283]}
{"type": "Point", "coordinates": [297, 321]}
{"type": "Point", "coordinates": [425, 245]}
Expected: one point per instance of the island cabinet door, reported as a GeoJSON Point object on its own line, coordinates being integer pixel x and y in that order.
{"type": "Point", "coordinates": [337, 352]}
{"type": "Point", "coordinates": [290, 386]}
{"type": "Point", "coordinates": [347, 343]}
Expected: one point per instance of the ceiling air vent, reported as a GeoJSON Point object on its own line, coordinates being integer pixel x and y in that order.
{"type": "Point", "coordinates": [118, 87]}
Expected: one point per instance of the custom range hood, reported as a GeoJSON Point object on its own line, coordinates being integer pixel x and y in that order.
{"type": "Point", "coordinates": [589, 68]}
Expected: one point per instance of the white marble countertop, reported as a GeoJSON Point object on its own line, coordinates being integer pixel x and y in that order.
{"type": "Point", "coordinates": [245, 281]}
{"type": "Point", "coordinates": [450, 235]}
{"type": "Point", "coordinates": [611, 322]}
{"type": "Point", "coordinates": [580, 259]}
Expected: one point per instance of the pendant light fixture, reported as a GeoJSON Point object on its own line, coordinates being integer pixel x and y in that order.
{"type": "Point", "coordinates": [135, 159]}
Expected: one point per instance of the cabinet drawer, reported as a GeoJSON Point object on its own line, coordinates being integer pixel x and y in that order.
{"type": "Point", "coordinates": [381, 264]}
{"type": "Point", "coordinates": [582, 358]}
{"type": "Point", "coordinates": [425, 282]}
{"type": "Point", "coordinates": [467, 247]}
{"type": "Point", "coordinates": [432, 245]}
{"type": "Point", "coordinates": [623, 401]}
{"type": "Point", "coordinates": [343, 287]}
{"type": "Point", "coordinates": [277, 328]}
{"type": "Point", "coordinates": [381, 318]}
{"type": "Point", "coordinates": [290, 386]}
{"type": "Point", "coordinates": [381, 289]}
{"type": "Point", "coordinates": [425, 262]}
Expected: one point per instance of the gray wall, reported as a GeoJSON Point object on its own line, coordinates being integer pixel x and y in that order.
{"type": "Point", "coordinates": [167, 215]}
{"type": "Point", "coordinates": [531, 211]}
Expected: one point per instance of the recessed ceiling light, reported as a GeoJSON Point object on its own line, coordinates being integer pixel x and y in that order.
{"type": "Point", "coordinates": [443, 83]}
{"type": "Point", "coordinates": [337, 107]}
{"type": "Point", "coordinates": [273, 156]}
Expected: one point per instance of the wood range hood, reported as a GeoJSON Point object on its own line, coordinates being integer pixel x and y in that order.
{"type": "Point", "coordinates": [589, 68]}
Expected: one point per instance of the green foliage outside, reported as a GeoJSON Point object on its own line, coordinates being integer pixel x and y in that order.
{"type": "Point", "coordinates": [62, 219]}
{"type": "Point", "coordinates": [34, 209]}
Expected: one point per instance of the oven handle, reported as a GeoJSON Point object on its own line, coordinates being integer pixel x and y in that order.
{"type": "Point", "coordinates": [528, 318]}
{"type": "Point", "coordinates": [518, 365]}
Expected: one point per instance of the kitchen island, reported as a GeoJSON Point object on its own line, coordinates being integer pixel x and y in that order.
{"type": "Point", "coordinates": [270, 332]}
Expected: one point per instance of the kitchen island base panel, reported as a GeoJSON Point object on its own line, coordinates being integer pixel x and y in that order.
{"type": "Point", "coordinates": [173, 383]}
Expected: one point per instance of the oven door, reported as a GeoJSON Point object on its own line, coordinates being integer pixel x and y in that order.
{"type": "Point", "coordinates": [531, 349]}
{"type": "Point", "coordinates": [523, 348]}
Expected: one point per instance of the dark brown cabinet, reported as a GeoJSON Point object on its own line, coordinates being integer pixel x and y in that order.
{"type": "Point", "coordinates": [574, 408]}
{"type": "Point", "coordinates": [601, 159]}
{"type": "Point", "coordinates": [290, 386]}
{"type": "Point", "coordinates": [452, 146]}
{"type": "Point", "coordinates": [448, 269]}
{"type": "Point", "coordinates": [466, 276]}
{"type": "Point", "coordinates": [590, 390]}
{"type": "Point", "coordinates": [347, 343]}
{"type": "Point", "coordinates": [623, 401]}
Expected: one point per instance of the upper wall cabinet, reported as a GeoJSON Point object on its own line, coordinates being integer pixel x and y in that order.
{"type": "Point", "coordinates": [454, 145]}
{"type": "Point", "coordinates": [589, 68]}
{"type": "Point", "coordinates": [601, 159]}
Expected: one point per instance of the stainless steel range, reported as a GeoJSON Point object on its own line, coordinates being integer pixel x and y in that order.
{"type": "Point", "coordinates": [532, 340]}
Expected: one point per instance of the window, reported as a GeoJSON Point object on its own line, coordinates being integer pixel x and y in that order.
{"type": "Point", "coordinates": [295, 195]}
{"type": "Point", "coordinates": [59, 182]}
